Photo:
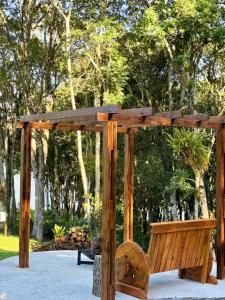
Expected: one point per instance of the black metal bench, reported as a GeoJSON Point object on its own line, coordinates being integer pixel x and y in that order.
{"type": "Point", "coordinates": [88, 253]}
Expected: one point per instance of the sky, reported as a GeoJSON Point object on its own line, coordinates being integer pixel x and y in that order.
{"type": "Point", "coordinates": [17, 191]}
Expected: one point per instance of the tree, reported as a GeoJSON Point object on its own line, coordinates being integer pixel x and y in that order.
{"type": "Point", "coordinates": [190, 146]}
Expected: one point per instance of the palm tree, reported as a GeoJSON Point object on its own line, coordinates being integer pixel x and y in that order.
{"type": "Point", "coordinates": [191, 147]}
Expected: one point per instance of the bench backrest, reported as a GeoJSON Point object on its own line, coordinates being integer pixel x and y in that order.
{"type": "Point", "coordinates": [179, 245]}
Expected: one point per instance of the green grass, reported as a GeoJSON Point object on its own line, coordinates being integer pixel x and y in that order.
{"type": "Point", "coordinates": [9, 246]}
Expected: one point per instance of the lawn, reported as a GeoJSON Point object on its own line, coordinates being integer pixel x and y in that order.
{"type": "Point", "coordinates": [9, 246]}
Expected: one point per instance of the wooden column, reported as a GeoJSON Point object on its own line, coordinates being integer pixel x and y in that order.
{"type": "Point", "coordinates": [109, 210]}
{"type": "Point", "coordinates": [220, 202]}
{"type": "Point", "coordinates": [128, 187]}
{"type": "Point", "coordinates": [25, 182]}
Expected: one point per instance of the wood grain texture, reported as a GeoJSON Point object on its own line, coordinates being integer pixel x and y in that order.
{"type": "Point", "coordinates": [176, 245]}
{"type": "Point", "coordinates": [128, 186]}
{"type": "Point", "coordinates": [220, 205]}
{"type": "Point", "coordinates": [182, 226]}
{"type": "Point", "coordinates": [131, 270]}
{"type": "Point", "coordinates": [72, 127]}
{"type": "Point", "coordinates": [62, 116]}
{"type": "Point", "coordinates": [25, 186]}
{"type": "Point", "coordinates": [109, 210]}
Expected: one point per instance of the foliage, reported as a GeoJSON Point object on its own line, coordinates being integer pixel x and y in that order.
{"type": "Point", "coordinates": [95, 222]}
{"type": "Point", "coordinates": [180, 182]}
{"type": "Point", "coordinates": [191, 147]}
{"type": "Point", "coordinates": [164, 54]}
{"type": "Point", "coordinates": [58, 231]}
{"type": "Point", "coordinates": [64, 220]}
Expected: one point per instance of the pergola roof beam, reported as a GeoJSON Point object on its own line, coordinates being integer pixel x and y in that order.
{"type": "Point", "coordinates": [71, 115]}
{"type": "Point", "coordinates": [132, 116]}
{"type": "Point", "coordinates": [71, 127]}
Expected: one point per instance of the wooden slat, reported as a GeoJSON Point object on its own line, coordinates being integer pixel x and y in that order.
{"type": "Point", "coordinates": [153, 251]}
{"type": "Point", "coordinates": [109, 210]}
{"type": "Point", "coordinates": [171, 251]}
{"type": "Point", "coordinates": [205, 246]}
{"type": "Point", "coordinates": [72, 127]}
{"type": "Point", "coordinates": [181, 226]}
{"type": "Point", "coordinates": [186, 252]}
{"type": "Point", "coordinates": [70, 114]}
{"type": "Point", "coordinates": [160, 253]}
{"type": "Point", "coordinates": [25, 185]}
{"type": "Point", "coordinates": [200, 248]}
{"type": "Point", "coordinates": [205, 260]}
{"type": "Point", "coordinates": [193, 252]}
{"type": "Point", "coordinates": [165, 252]}
{"type": "Point", "coordinates": [128, 187]}
{"type": "Point", "coordinates": [181, 249]}
{"type": "Point", "coordinates": [174, 264]}
{"type": "Point", "coordinates": [220, 205]}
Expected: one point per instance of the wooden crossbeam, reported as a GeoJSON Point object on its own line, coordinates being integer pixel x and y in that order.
{"type": "Point", "coordinates": [78, 114]}
{"type": "Point", "coordinates": [189, 121]}
{"type": "Point", "coordinates": [132, 116]}
{"type": "Point", "coordinates": [72, 127]}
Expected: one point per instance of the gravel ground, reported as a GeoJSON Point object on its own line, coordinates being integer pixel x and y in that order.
{"type": "Point", "coordinates": [54, 275]}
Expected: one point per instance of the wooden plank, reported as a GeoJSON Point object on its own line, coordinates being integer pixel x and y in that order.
{"type": "Point", "coordinates": [91, 118]}
{"type": "Point", "coordinates": [167, 246]}
{"type": "Point", "coordinates": [158, 121]}
{"type": "Point", "coordinates": [25, 185]}
{"type": "Point", "coordinates": [128, 187]}
{"type": "Point", "coordinates": [132, 116]}
{"type": "Point", "coordinates": [171, 251]}
{"type": "Point", "coordinates": [181, 249]}
{"type": "Point", "coordinates": [205, 246]}
{"type": "Point", "coordinates": [109, 210]}
{"type": "Point", "coordinates": [70, 114]}
{"type": "Point", "coordinates": [173, 264]}
{"type": "Point", "coordinates": [72, 127]}
{"type": "Point", "coordinates": [153, 251]}
{"type": "Point", "coordinates": [193, 252]}
{"type": "Point", "coordinates": [205, 262]}
{"type": "Point", "coordinates": [138, 112]}
{"type": "Point", "coordinates": [186, 249]}
{"type": "Point", "coordinates": [163, 118]}
{"type": "Point", "coordinates": [200, 248]}
{"type": "Point", "coordinates": [160, 253]}
{"type": "Point", "coordinates": [220, 205]}
{"type": "Point", "coordinates": [182, 225]}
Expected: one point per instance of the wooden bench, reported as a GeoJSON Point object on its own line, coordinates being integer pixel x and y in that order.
{"type": "Point", "coordinates": [181, 245]}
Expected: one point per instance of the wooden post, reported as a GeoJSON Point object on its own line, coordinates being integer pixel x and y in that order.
{"type": "Point", "coordinates": [220, 202]}
{"type": "Point", "coordinates": [25, 181]}
{"type": "Point", "coordinates": [109, 210]}
{"type": "Point", "coordinates": [128, 187]}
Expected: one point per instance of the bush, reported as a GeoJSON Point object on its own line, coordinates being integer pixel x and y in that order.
{"type": "Point", "coordinates": [62, 219]}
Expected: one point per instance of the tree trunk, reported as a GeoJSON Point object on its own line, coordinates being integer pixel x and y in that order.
{"type": "Point", "coordinates": [97, 154]}
{"type": "Point", "coordinates": [201, 195]}
{"type": "Point", "coordinates": [79, 138]}
{"type": "Point", "coordinates": [173, 204]}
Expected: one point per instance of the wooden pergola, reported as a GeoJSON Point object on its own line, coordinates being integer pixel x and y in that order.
{"type": "Point", "coordinates": [111, 120]}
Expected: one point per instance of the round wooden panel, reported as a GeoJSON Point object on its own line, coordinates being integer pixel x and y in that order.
{"type": "Point", "coordinates": [131, 265]}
